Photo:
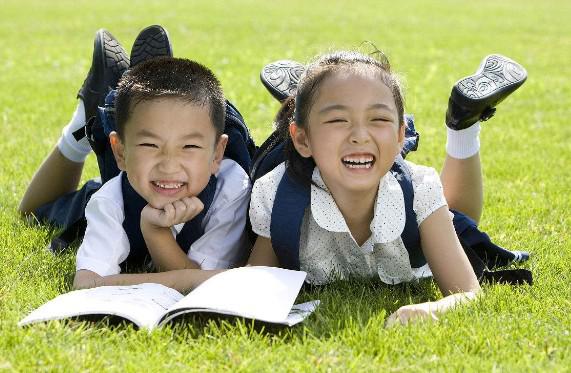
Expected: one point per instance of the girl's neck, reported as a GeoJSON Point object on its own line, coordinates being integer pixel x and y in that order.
{"type": "Point", "coordinates": [358, 210]}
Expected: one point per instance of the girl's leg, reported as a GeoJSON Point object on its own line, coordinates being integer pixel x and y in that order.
{"type": "Point", "coordinates": [473, 99]}
{"type": "Point", "coordinates": [462, 172]}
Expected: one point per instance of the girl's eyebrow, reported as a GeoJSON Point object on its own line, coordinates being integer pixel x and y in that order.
{"type": "Point", "coordinates": [332, 108]}
{"type": "Point", "coordinates": [344, 107]}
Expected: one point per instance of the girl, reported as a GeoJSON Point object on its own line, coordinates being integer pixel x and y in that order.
{"type": "Point", "coordinates": [348, 128]}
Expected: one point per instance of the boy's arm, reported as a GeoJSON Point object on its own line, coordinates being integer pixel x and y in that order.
{"type": "Point", "coordinates": [180, 280]}
{"type": "Point", "coordinates": [156, 226]}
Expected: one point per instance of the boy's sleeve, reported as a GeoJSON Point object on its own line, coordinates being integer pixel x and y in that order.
{"type": "Point", "coordinates": [225, 243]}
{"type": "Point", "coordinates": [428, 192]}
{"type": "Point", "coordinates": [105, 244]}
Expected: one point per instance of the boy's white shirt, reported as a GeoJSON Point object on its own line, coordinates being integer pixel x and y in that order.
{"type": "Point", "coordinates": [328, 250]}
{"type": "Point", "coordinates": [223, 245]}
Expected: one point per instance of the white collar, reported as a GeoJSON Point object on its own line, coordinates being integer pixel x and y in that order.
{"type": "Point", "coordinates": [389, 217]}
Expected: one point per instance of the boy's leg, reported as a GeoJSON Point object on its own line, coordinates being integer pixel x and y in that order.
{"type": "Point", "coordinates": [473, 99]}
{"type": "Point", "coordinates": [60, 172]}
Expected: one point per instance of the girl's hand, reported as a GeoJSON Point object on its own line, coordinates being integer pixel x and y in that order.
{"type": "Point", "coordinates": [412, 313]}
{"type": "Point", "coordinates": [177, 212]}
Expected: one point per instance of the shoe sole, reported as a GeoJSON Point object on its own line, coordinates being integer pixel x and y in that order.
{"type": "Point", "coordinates": [152, 42]}
{"type": "Point", "coordinates": [115, 56]}
{"type": "Point", "coordinates": [281, 78]}
{"type": "Point", "coordinates": [109, 61]}
{"type": "Point", "coordinates": [497, 75]}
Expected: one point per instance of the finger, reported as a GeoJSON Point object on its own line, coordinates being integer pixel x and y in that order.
{"type": "Point", "coordinates": [391, 321]}
{"type": "Point", "coordinates": [169, 213]}
{"type": "Point", "coordinates": [194, 207]}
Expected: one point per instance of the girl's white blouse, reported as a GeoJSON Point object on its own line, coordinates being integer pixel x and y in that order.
{"type": "Point", "coordinates": [327, 249]}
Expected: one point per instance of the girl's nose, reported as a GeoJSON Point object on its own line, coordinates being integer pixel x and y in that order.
{"type": "Point", "coordinates": [360, 133]}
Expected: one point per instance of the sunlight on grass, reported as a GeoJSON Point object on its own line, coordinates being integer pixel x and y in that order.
{"type": "Point", "coordinates": [46, 52]}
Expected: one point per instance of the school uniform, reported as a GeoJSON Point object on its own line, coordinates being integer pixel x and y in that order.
{"type": "Point", "coordinates": [327, 249]}
{"type": "Point", "coordinates": [222, 245]}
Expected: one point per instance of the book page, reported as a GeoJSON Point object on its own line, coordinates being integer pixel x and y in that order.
{"type": "Point", "coordinates": [299, 312]}
{"type": "Point", "coordinates": [261, 293]}
{"type": "Point", "coordinates": [141, 304]}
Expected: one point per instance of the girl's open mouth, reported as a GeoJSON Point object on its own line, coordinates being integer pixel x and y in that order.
{"type": "Point", "coordinates": [358, 161]}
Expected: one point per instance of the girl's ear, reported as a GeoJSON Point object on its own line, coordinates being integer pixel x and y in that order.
{"type": "Point", "coordinates": [219, 149]}
{"type": "Point", "coordinates": [118, 150]}
{"type": "Point", "coordinates": [401, 135]}
{"type": "Point", "coordinates": [300, 141]}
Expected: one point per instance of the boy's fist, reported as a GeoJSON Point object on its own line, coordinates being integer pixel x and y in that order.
{"type": "Point", "coordinates": [177, 212]}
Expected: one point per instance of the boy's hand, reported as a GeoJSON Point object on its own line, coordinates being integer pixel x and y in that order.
{"type": "Point", "coordinates": [177, 212]}
{"type": "Point", "coordinates": [412, 313]}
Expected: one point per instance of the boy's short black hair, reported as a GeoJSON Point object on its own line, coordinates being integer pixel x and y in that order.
{"type": "Point", "coordinates": [168, 77]}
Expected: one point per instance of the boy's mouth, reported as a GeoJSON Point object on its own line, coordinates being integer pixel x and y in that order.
{"type": "Point", "coordinates": [358, 161]}
{"type": "Point", "coordinates": [167, 187]}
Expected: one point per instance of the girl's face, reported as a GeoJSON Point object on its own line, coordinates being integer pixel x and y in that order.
{"type": "Point", "coordinates": [353, 133]}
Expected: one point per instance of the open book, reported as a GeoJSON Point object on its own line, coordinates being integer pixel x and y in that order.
{"type": "Point", "coordinates": [260, 293]}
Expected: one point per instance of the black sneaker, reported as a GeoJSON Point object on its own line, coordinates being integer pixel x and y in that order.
{"type": "Point", "coordinates": [475, 97]}
{"type": "Point", "coordinates": [281, 78]}
{"type": "Point", "coordinates": [108, 64]}
{"type": "Point", "coordinates": [152, 42]}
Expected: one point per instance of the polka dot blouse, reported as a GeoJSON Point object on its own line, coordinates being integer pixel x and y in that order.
{"type": "Point", "coordinates": [328, 251]}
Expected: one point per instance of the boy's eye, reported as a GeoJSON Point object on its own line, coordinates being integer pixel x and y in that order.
{"type": "Point", "coordinates": [191, 146]}
{"type": "Point", "coordinates": [148, 145]}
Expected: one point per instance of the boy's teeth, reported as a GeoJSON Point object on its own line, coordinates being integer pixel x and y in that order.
{"type": "Point", "coordinates": [168, 185]}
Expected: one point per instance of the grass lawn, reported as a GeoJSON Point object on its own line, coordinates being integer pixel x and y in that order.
{"type": "Point", "coordinates": [46, 52]}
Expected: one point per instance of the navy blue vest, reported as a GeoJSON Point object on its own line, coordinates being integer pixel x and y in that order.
{"type": "Point", "coordinates": [133, 206]}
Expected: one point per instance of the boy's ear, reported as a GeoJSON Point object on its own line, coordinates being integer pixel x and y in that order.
{"type": "Point", "coordinates": [219, 149]}
{"type": "Point", "coordinates": [299, 139]}
{"type": "Point", "coordinates": [118, 150]}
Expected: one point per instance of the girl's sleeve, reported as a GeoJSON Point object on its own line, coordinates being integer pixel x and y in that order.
{"type": "Point", "coordinates": [262, 201]}
{"type": "Point", "coordinates": [428, 192]}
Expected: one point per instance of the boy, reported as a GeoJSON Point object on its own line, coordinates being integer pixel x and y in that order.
{"type": "Point", "coordinates": [169, 144]}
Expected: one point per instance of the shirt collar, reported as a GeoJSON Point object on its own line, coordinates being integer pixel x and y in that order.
{"type": "Point", "coordinates": [389, 216]}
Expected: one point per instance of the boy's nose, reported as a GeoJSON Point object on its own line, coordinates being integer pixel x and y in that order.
{"type": "Point", "coordinates": [168, 163]}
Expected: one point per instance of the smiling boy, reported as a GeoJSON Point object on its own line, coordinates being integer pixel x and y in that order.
{"type": "Point", "coordinates": [170, 146]}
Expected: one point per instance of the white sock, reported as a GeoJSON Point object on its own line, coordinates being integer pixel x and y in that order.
{"type": "Point", "coordinates": [72, 149]}
{"type": "Point", "coordinates": [464, 143]}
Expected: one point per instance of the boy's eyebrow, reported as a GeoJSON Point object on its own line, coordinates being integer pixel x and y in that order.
{"type": "Point", "coordinates": [147, 133]}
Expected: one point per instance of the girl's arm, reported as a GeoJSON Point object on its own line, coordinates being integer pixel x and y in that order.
{"type": "Point", "coordinates": [263, 253]}
{"type": "Point", "coordinates": [182, 280]}
{"type": "Point", "coordinates": [449, 265]}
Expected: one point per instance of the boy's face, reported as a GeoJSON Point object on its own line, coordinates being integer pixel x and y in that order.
{"type": "Point", "coordinates": [169, 150]}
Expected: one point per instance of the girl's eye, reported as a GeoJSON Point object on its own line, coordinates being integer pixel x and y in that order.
{"type": "Point", "coordinates": [148, 145]}
{"type": "Point", "coordinates": [382, 119]}
{"type": "Point", "coordinates": [336, 120]}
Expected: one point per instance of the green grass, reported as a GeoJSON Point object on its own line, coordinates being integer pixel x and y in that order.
{"type": "Point", "coordinates": [45, 54]}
